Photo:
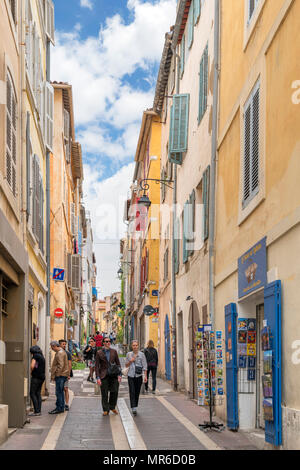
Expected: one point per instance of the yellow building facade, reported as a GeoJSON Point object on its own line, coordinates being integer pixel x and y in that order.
{"type": "Point", "coordinates": [258, 203]}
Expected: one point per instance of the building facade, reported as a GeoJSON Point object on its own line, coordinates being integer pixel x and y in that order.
{"type": "Point", "coordinates": [257, 216]}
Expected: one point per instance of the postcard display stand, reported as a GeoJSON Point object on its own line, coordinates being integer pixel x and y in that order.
{"type": "Point", "coordinates": [247, 355]}
{"type": "Point", "coordinates": [267, 378]}
{"type": "Point", "coordinates": [210, 374]}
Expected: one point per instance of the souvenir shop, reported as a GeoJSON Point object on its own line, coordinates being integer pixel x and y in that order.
{"type": "Point", "coordinates": [253, 348]}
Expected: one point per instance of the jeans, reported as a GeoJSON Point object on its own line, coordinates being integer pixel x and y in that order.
{"type": "Point", "coordinates": [59, 391]}
{"type": "Point", "coordinates": [153, 371]}
{"type": "Point", "coordinates": [35, 393]}
{"type": "Point", "coordinates": [134, 384]}
{"type": "Point", "coordinates": [109, 385]}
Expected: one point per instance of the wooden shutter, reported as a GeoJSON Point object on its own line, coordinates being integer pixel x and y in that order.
{"type": "Point", "coordinates": [185, 253]}
{"type": "Point", "coordinates": [67, 134]}
{"type": "Point", "coordinates": [49, 110]}
{"type": "Point", "coordinates": [203, 85]}
{"type": "Point", "coordinates": [11, 135]}
{"type": "Point", "coordinates": [182, 55]}
{"type": "Point", "coordinates": [191, 25]}
{"type": "Point", "coordinates": [49, 20]}
{"type": "Point", "coordinates": [163, 186]}
{"type": "Point", "coordinates": [28, 165]}
{"type": "Point", "coordinates": [69, 269]}
{"type": "Point", "coordinates": [13, 7]}
{"type": "Point", "coordinates": [76, 274]}
{"type": "Point", "coordinates": [72, 216]}
{"type": "Point", "coordinates": [251, 146]}
{"type": "Point", "coordinates": [178, 142]}
{"type": "Point", "coordinates": [176, 247]}
{"type": "Point", "coordinates": [205, 197]}
{"type": "Point", "coordinates": [197, 9]}
{"type": "Point", "coordinates": [191, 221]}
{"type": "Point", "coordinates": [41, 216]}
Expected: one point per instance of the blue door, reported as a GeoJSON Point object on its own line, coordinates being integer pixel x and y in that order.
{"type": "Point", "coordinates": [272, 308]}
{"type": "Point", "coordinates": [167, 349]}
{"type": "Point", "coordinates": [231, 366]}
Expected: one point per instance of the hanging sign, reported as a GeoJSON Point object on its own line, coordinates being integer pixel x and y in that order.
{"type": "Point", "coordinates": [252, 269]}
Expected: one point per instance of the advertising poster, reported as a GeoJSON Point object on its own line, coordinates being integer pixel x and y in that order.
{"type": "Point", "coordinates": [242, 324]}
{"type": "Point", "coordinates": [251, 349]}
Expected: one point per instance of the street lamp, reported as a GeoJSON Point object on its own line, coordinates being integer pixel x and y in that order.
{"type": "Point", "coordinates": [144, 186]}
{"type": "Point", "coordinates": [120, 271]}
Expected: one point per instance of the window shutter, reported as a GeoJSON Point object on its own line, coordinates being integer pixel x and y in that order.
{"type": "Point", "coordinates": [191, 224]}
{"type": "Point", "coordinates": [38, 203]}
{"type": "Point", "coordinates": [203, 85]}
{"type": "Point", "coordinates": [76, 278]}
{"type": "Point", "coordinates": [191, 25]}
{"type": "Point", "coordinates": [72, 216]}
{"type": "Point", "coordinates": [251, 146]}
{"type": "Point", "coordinates": [13, 8]}
{"type": "Point", "coordinates": [11, 135]}
{"type": "Point", "coordinates": [206, 189]}
{"type": "Point", "coordinates": [163, 186]}
{"type": "Point", "coordinates": [197, 8]}
{"type": "Point", "coordinates": [41, 234]}
{"type": "Point", "coordinates": [185, 254]}
{"type": "Point", "coordinates": [49, 110]}
{"type": "Point", "coordinates": [49, 20]}
{"type": "Point", "coordinates": [176, 247]}
{"type": "Point", "coordinates": [182, 55]}
{"type": "Point", "coordinates": [179, 128]}
{"type": "Point", "coordinates": [28, 165]}
{"type": "Point", "coordinates": [69, 269]}
{"type": "Point", "coordinates": [67, 134]}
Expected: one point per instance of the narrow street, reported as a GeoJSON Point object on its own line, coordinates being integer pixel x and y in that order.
{"type": "Point", "coordinates": [167, 420]}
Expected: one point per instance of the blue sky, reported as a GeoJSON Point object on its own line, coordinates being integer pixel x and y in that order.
{"type": "Point", "coordinates": [109, 50]}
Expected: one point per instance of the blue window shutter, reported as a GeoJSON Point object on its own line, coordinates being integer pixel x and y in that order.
{"type": "Point", "coordinates": [197, 8]}
{"type": "Point", "coordinates": [203, 85]}
{"type": "Point", "coordinates": [182, 55]}
{"type": "Point", "coordinates": [231, 366]}
{"type": "Point", "coordinates": [272, 313]}
{"type": "Point", "coordinates": [191, 25]}
{"type": "Point", "coordinates": [179, 139]}
{"type": "Point", "coordinates": [206, 189]}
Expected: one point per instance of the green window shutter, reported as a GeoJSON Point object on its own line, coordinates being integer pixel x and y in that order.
{"type": "Point", "coordinates": [206, 189]}
{"type": "Point", "coordinates": [197, 8]}
{"type": "Point", "coordinates": [203, 85]}
{"type": "Point", "coordinates": [185, 254]}
{"type": "Point", "coordinates": [179, 136]}
{"type": "Point", "coordinates": [182, 55]}
{"type": "Point", "coordinates": [191, 25]}
{"type": "Point", "coordinates": [191, 221]}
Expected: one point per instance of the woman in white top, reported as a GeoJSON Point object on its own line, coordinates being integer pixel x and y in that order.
{"type": "Point", "coordinates": [137, 363]}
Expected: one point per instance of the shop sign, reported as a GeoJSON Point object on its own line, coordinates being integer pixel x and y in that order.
{"type": "Point", "coordinates": [252, 269]}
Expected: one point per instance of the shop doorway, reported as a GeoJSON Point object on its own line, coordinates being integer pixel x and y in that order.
{"type": "Point", "coordinates": [194, 322]}
{"type": "Point", "coordinates": [260, 422]}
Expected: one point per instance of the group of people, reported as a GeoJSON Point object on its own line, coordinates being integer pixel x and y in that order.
{"type": "Point", "coordinates": [105, 363]}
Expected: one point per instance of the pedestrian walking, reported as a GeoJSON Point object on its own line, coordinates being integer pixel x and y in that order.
{"type": "Point", "coordinates": [89, 355]}
{"type": "Point", "coordinates": [99, 340]}
{"type": "Point", "coordinates": [109, 376]}
{"type": "Point", "coordinates": [63, 344]}
{"type": "Point", "coordinates": [137, 373]}
{"type": "Point", "coordinates": [59, 374]}
{"type": "Point", "coordinates": [37, 368]}
{"type": "Point", "coordinates": [152, 362]}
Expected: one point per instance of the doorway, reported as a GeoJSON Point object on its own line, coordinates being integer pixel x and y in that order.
{"type": "Point", "coordinates": [194, 322]}
{"type": "Point", "coordinates": [260, 422]}
{"type": "Point", "coordinates": [180, 349]}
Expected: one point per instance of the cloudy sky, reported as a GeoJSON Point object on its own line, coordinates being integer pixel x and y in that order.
{"type": "Point", "coordinates": [109, 50]}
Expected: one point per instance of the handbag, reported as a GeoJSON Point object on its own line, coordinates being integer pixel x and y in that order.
{"type": "Point", "coordinates": [138, 370]}
{"type": "Point", "coordinates": [125, 371]}
{"type": "Point", "coordinates": [113, 370]}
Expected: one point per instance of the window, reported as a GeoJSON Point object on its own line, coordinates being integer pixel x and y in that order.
{"type": "Point", "coordinates": [178, 140]}
{"type": "Point", "coordinates": [182, 55]}
{"type": "Point", "coordinates": [251, 146]}
{"type": "Point", "coordinates": [203, 85]}
{"type": "Point", "coordinates": [191, 25]}
{"type": "Point", "coordinates": [166, 265]}
{"type": "Point", "coordinates": [205, 198]}
{"type": "Point", "coordinates": [252, 4]}
{"type": "Point", "coordinates": [11, 135]}
{"type": "Point", "coordinates": [37, 203]}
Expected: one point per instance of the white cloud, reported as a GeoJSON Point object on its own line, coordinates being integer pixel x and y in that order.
{"type": "Point", "coordinates": [108, 109]}
{"type": "Point", "coordinates": [86, 4]}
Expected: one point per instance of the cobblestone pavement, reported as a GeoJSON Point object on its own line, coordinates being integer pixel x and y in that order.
{"type": "Point", "coordinates": [165, 421]}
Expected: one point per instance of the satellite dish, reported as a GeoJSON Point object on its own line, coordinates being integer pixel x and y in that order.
{"type": "Point", "coordinates": [149, 310]}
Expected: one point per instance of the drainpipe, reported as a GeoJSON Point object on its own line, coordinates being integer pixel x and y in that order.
{"type": "Point", "coordinates": [214, 164]}
{"type": "Point", "coordinates": [174, 345]}
{"type": "Point", "coordinates": [47, 347]}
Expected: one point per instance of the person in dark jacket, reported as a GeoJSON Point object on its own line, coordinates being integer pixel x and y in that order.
{"type": "Point", "coordinates": [37, 367]}
{"type": "Point", "coordinates": [152, 362]}
{"type": "Point", "coordinates": [89, 355]}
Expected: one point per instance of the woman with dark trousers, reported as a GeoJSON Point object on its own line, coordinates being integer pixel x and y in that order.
{"type": "Point", "coordinates": [152, 361]}
{"type": "Point", "coordinates": [37, 367]}
{"type": "Point", "coordinates": [137, 363]}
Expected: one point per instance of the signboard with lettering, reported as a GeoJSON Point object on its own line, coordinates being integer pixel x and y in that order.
{"type": "Point", "coordinates": [252, 269]}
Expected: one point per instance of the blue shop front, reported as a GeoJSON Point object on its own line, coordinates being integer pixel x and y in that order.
{"type": "Point", "coordinates": [253, 348]}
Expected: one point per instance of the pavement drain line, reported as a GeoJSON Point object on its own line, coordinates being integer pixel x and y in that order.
{"type": "Point", "coordinates": [208, 443]}
{"type": "Point", "coordinates": [54, 433]}
{"type": "Point", "coordinates": [134, 437]}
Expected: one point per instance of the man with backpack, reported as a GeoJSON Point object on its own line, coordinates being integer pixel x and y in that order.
{"type": "Point", "coordinates": [109, 376]}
